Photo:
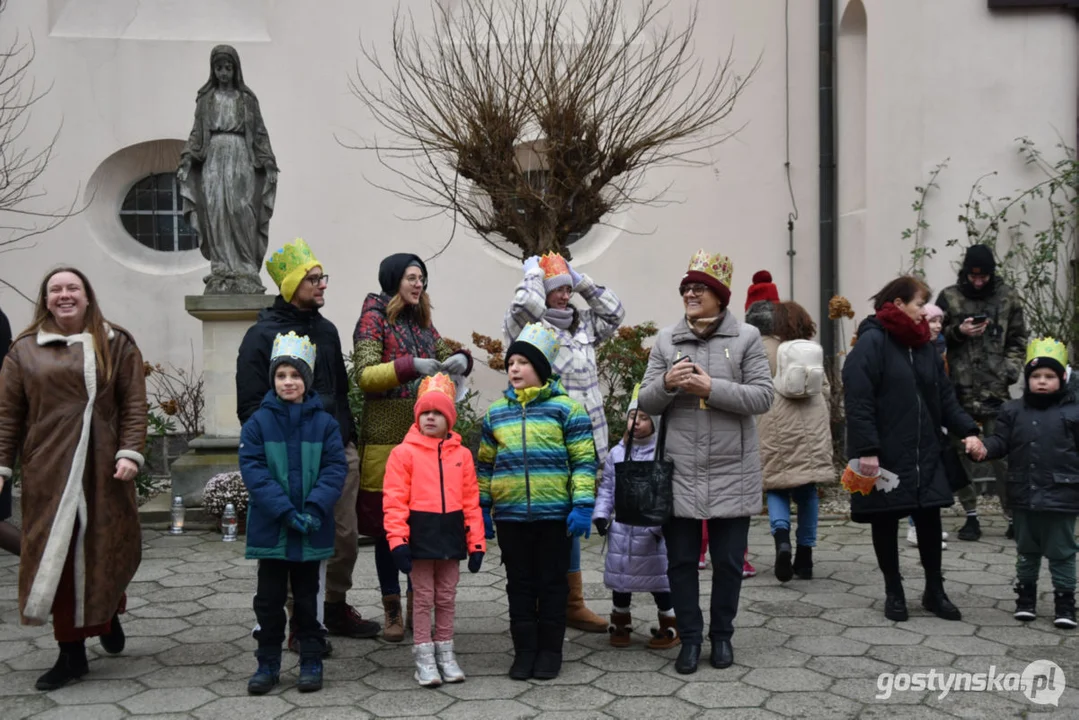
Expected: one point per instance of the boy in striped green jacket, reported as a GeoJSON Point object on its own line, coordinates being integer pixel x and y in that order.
{"type": "Point", "coordinates": [537, 473]}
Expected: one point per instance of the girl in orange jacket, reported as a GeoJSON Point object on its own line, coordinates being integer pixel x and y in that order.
{"type": "Point", "coordinates": [431, 507]}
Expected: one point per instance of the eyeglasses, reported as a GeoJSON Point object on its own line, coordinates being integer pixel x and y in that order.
{"type": "Point", "coordinates": [694, 289]}
{"type": "Point", "coordinates": [416, 280]}
{"type": "Point", "coordinates": [317, 280]}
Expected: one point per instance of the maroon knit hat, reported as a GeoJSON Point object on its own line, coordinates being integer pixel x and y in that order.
{"type": "Point", "coordinates": [762, 289]}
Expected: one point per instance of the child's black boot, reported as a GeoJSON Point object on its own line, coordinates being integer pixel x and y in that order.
{"type": "Point", "coordinates": [1026, 601]}
{"type": "Point", "coordinates": [268, 673]}
{"type": "Point", "coordinates": [549, 655]}
{"type": "Point", "coordinates": [1064, 600]}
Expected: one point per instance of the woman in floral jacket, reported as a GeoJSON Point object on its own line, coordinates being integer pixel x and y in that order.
{"type": "Point", "coordinates": [396, 345]}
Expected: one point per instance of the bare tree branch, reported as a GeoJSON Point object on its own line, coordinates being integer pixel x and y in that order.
{"type": "Point", "coordinates": [530, 126]}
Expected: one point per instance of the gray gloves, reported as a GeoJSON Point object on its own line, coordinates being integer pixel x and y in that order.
{"type": "Point", "coordinates": [426, 366]}
{"type": "Point", "coordinates": [455, 364]}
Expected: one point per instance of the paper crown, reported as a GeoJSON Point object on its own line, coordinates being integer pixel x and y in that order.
{"type": "Point", "coordinates": [1048, 347]}
{"type": "Point", "coordinates": [289, 265]}
{"type": "Point", "coordinates": [542, 338]}
{"type": "Point", "coordinates": [718, 266]}
{"type": "Point", "coordinates": [439, 382]}
{"type": "Point", "coordinates": [294, 346]}
{"type": "Point", "coordinates": [553, 265]}
{"type": "Point", "coordinates": [633, 398]}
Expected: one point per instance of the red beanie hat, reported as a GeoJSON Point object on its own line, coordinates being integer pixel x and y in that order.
{"type": "Point", "coordinates": [762, 289]}
{"type": "Point", "coordinates": [437, 392]}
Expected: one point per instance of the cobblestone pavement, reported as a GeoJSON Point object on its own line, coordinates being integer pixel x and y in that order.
{"type": "Point", "coordinates": [804, 649]}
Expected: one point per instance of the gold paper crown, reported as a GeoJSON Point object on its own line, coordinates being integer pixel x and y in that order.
{"type": "Point", "coordinates": [439, 382]}
{"type": "Point", "coordinates": [1047, 347]}
{"type": "Point", "coordinates": [553, 265]}
{"type": "Point", "coordinates": [295, 346]}
{"type": "Point", "coordinates": [718, 266]}
{"type": "Point", "coordinates": [633, 398]}
{"type": "Point", "coordinates": [289, 265]}
{"type": "Point", "coordinates": [542, 338]}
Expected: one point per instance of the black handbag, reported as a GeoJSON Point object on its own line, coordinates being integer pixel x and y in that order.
{"type": "Point", "coordinates": [643, 494]}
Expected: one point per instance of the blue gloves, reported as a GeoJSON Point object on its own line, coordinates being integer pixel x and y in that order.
{"type": "Point", "coordinates": [303, 523]}
{"type": "Point", "coordinates": [474, 561]}
{"type": "Point", "coordinates": [574, 275]}
{"type": "Point", "coordinates": [488, 524]}
{"type": "Point", "coordinates": [531, 263]}
{"type": "Point", "coordinates": [579, 522]}
{"type": "Point", "coordinates": [601, 526]}
{"type": "Point", "coordinates": [402, 558]}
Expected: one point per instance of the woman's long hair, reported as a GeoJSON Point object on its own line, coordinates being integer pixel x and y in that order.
{"type": "Point", "coordinates": [421, 312]}
{"type": "Point", "coordinates": [790, 321]}
{"type": "Point", "coordinates": [95, 322]}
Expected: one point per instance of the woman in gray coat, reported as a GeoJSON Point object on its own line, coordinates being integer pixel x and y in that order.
{"type": "Point", "coordinates": [708, 375]}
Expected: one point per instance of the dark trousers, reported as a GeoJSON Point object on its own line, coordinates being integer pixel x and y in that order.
{"type": "Point", "coordinates": [727, 539]}
{"type": "Point", "coordinates": [1050, 535]}
{"type": "Point", "coordinates": [623, 600]}
{"type": "Point", "coordinates": [886, 540]}
{"type": "Point", "coordinates": [273, 584]}
{"type": "Point", "coordinates": [536, 556]}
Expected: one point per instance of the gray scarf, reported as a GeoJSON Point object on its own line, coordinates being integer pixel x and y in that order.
{"type": "Point", "coordinates": [561, 319]}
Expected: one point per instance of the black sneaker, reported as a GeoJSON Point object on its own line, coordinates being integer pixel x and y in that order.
{"type": "Point", "coordinates": [1010, 532]}
{"type": "Point", "coordinates": [972, 530]}
{"type": "Point", "coordinates": [1027, 601]}
{"type": "Point", "coordinates": [1065, 609]}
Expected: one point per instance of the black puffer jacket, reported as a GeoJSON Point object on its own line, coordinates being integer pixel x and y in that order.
{"type": "Point", "coordinates": [897, 399]}
{"type": "Point", "coordinates": [1043, 460]}
{"type": "Point", "coordinates": [253, 362]}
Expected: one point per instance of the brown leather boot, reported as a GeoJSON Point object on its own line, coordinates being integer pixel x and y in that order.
{"type": "Point", "coordinates": [577, 613]}
{"type": "Point", "coordinates": [394, 625]}
{"type": "Point", "coordinates": [620, 629]}
{"type": "Point", "coordinates": [666, 635]}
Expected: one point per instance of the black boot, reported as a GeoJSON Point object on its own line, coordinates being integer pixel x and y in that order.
{"type": "Point", "coordinates": [524, 649]}
{"type": "Point", "coordinates": [722, 654]}
{"type": "Point", "coordinates": [1027, 602]}
{"type": "Point", "coordinates": [972, 530]}
{"type": "Point", "coordinates": [113, 641]}
{"type": "Point", "coordinates": [784, 571]}
{"type": "Point", "coordinates": [688, 657]}
{"type": "Point", "coordinates": [935, 601]}
{"type": "Point", "coordinates": [895, 600]}
{"type": "Point", "coordinates": [803, 562]}
{"type": "Point", "coordinates": [1064, 600]}
{"type": "Point", "coordinates": [1010, 532]}
{"type": "Point", "coordinates": [310, 672]}
{"type": "Point", "coordinates": [71, 664]}
{"type": "Point", "coordinates": [268, 673]}
{"type": "Point", "coordinates": [549, 655]}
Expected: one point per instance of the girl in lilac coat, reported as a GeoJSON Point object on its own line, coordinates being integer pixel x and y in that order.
{"type": "Point", "coordinates": [636, 556]}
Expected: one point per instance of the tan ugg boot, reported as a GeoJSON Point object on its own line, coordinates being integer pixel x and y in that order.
{"type": "Point", "coordinates": [577, 613]}
{"type": "Point", "coordinates": [394, 625]}
{"type": "Point", "coordinates": [666, 635]}
{"type": "Point", "coordinates": [620, 629]}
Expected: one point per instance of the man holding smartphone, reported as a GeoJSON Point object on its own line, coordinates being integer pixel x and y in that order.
{"type": "Point", "coordinates": [987, 338]}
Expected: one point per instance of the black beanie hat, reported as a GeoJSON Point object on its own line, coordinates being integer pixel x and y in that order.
{"type": "Point", "coordinates": [979, 260]}
{"type": "Point", "coordinates": [393, 268]}
{"type": "Point", "coordinates": [1043, 362]}
{"type": "Point", "coordinates": [534, 355]}
{"type": "Point", "coordinates": [304, 369]}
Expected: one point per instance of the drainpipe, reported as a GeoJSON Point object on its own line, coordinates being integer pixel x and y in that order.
{"type": "Point", "coordinates": [829, 267]}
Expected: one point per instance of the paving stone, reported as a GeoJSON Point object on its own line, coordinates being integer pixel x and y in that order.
{"type": "Point", "coordinates": [168, 700]}
{"type": "Point", "coordinates": [482, 643]}
{"type": "Point", "coordinates": [35, 659]}
{"type": "Point", "coordinates": [568, 697]}
{"type": "Point", "coordinates": [966, 645]}
{"type": "Point", "coordinates": [1025, 634]}
{"type": "Point", "coordinates": [244, 709]}
{"type": "Point", "coordinates": [201, 654]}
{"type": "Point", "coordinates": [580, 674]}
{"type": "Point", "coordinates": [723, 695]}
{"type": "Point", "coordinates": [405, 704]}
{"type": "Point", "coordinates": [910, 712]}
{"type": "Point", "coordinates": [146, 646]}
{"type": "Point", "coordinates": [787, 679]}
{"type": "Point", "coordinates": [226, 601]}
{"type": "Point", "coordinates": [989, 705]}
{"type": "Point", "coordinates": [634, 684]}
{"type": "Point", "coordinates": [740, 714]}
{"type": "Point", "coordinates": [908, 656]}
{"type": "Point", "coordinates": [166, 610]}
{"type": "Point", "coordinates": [649, 708]}
{"type": "Point", "coordinates": [485, 688]}
{"type": "Point", "coordinates": [804, 626]}
{"type": "Point", "coordinates": [180, 594]}
{"type": "Point", "coordinates": [344, 712]}
{"type": "Point", "coordinates": [768, 657]}
{"type": "Point", "coordinates": [179, 677]}
{"type": "Point", "coordinates": [812, 705]}
{"type": "Point", "coordinates": [850, 667]}
{"type": "Point", "coordinates": [827, 645]}
{"type": "Point", "coordinates": [333, 692]}
{"type": "Point", "coordinates": [883, 635]}
{"type": "Point", "coordinates": [870, 692]}
{"type": "Point", "coordinates": [214, 634]}
{"type": "Point", "coordinates": [82, 712]}
{"type": "Point", "coordinates": [93, 691]}
{"type": "Point", "coordinates": [488, 710]}
{"type": "Point", "coordinates": [156, 627]}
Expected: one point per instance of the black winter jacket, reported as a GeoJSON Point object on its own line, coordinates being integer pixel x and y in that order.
{"type": "Point", "coordinates": [1043, 460]}
{"type": "Point", "coordinates": [897, 399]}
{"type": "Point", "coordinates": [253, 362]}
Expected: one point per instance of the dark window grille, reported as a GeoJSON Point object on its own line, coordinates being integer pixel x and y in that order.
{"type": "Point", "coordinates": [152, 213]}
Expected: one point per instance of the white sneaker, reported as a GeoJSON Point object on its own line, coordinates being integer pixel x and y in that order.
{"type": "Point", "coordinates": [912, 536]}
{"type": "Point", "coordinates": [427, 673]}
{"type": "Point", "coordinates": [943, 545]}
{"type": "Point", "coordinates": [943, 534]}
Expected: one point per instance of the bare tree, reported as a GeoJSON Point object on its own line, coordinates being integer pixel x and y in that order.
{"type": "Point", "coordinates": [21, 165]}
{"type": "Point", "coordinates": [532, 127]}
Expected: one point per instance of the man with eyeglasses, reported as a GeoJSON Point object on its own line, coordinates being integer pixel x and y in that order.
{"type": "Point", "coordinates": [303, 284]}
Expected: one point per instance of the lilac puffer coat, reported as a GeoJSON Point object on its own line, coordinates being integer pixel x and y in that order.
{"type": "Point", "coordinates": [636, 556]}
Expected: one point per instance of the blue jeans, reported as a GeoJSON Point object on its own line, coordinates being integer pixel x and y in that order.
{"type": "Point", "coordinates": [575, 555]}
{"type": "Point", "coordinates": [779, 512]}
{"type": "Point", "coordinates": [386, 568]}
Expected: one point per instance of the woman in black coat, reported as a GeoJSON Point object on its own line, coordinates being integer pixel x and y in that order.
{"type": "Point", "coordinates": [897, 397]}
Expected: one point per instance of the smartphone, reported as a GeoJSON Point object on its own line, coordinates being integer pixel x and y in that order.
{"type": "Point", "coordinates": [979, 318]}
{"type": "Point", "coordinates": [684, 358]}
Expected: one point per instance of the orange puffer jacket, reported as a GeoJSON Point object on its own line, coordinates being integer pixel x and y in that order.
{"type": "Point", "coordinates": [431, 500]}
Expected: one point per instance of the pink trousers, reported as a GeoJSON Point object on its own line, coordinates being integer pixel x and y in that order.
{"type": "Point", "coordinates": [434, 587]}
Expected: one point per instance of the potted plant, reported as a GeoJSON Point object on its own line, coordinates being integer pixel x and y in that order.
{"type": "Point", "coordinates": [222, 489]}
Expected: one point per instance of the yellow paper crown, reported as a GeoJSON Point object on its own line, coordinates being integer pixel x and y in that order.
{"type": "Point", "coordinates": [439, 382]}
{"type": "Point", "coordinates": [633, 398]}
{"type": "Point", "coordinates": [1047, 347]}
{"type": "Point", "coordinates": [289, 265]}
{"type": "Point", "coordinates": [295, 346]}
{"type": "Point", "coordinates": [553, 265]}
{"type": "Point", "coordinates": [718, 266]}
{"type": "Point", "coordinates": [542, 338]}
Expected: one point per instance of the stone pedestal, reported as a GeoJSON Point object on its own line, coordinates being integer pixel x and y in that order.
{"type": "Point", "coordinates": [225, 320]}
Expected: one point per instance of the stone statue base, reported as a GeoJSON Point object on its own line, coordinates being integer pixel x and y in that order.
{"type": "Point", "coordinates": [225, 320]}
{"type": "Point", "coordinates": [227, 282]}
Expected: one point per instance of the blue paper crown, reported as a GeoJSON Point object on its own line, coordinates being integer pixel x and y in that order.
{"type": "Point", "coordinates": [542, 338]}
{"type": "Point", "coordinates": [294, 346]}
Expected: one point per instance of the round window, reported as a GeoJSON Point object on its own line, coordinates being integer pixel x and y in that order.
{"type": "Point", "coordinates": [152, 213]}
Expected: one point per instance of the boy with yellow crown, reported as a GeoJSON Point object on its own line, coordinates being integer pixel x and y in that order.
{"type": "Point", "coordinates": [293, 465]}
{"type": "Point", "coordinates": [1038, 434]}
{"type": "Point", "coordinates": [537, 475]}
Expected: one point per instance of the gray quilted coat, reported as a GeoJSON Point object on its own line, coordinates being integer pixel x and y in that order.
{"type": "Point", "coordinates": [636, 556]}
{"type": "Point", "coordinates": [713, 442]}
